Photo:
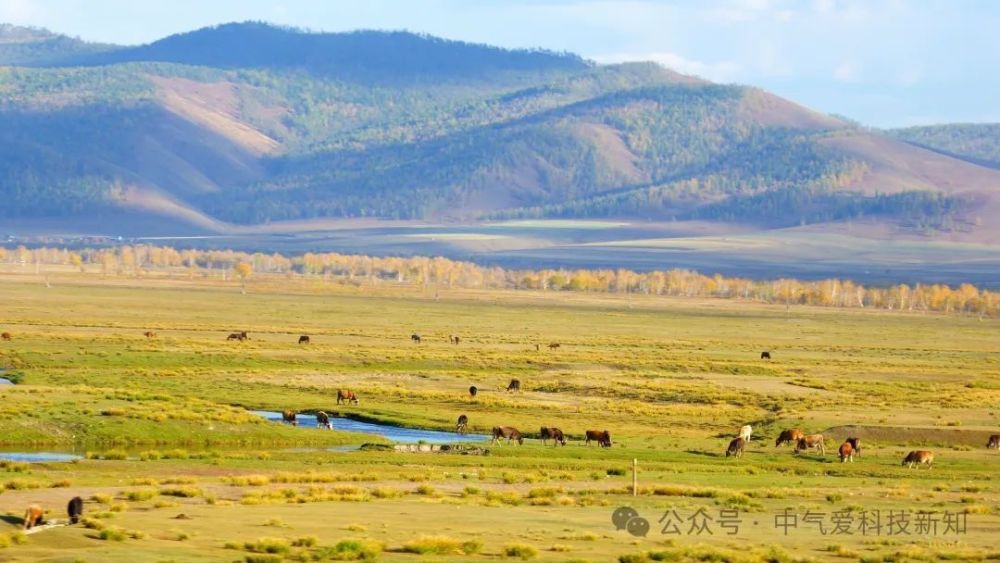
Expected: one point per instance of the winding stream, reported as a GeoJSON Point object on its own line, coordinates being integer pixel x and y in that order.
{"type": "Point", "coordinates": [393, 433]}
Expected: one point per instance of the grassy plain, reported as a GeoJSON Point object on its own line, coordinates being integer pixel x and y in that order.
{"type": "Point", "coordinates": [672, 380]}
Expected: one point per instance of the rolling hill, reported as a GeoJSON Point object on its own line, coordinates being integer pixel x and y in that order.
{"type": "Point", "coordinates": [251, 124]}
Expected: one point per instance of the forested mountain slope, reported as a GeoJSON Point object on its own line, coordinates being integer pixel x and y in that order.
{"type": "Point", "coordinates": [250, 123]}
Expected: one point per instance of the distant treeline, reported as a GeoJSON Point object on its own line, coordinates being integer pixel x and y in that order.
{"type": "Point", "coordinates": [441, 272]}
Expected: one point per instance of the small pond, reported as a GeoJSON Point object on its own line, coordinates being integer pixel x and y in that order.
{"type": "Point", "coordinates": [394, 433]}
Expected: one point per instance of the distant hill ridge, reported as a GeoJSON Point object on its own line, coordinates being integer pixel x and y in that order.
{"type": "Point", "coordinates": [252, 123]}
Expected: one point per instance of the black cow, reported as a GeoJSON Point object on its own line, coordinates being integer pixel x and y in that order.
{"type": "Point", "coordinates": [75, 510]}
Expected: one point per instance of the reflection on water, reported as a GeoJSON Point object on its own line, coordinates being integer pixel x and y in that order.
{"type": "Point", "coordinates": [5, 381]}
{"type": "Point", "coordinates": [394, 433]}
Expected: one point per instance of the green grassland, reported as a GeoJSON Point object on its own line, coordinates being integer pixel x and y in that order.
{"type": "Point", "coordinates": [177, 469]}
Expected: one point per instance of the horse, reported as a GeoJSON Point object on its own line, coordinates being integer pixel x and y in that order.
{"type": "Point", "coordinates": [75, 510]}
{"type": "Point", "coordinates": [347, 395]}
{"type": "Point", "coordinates": [553, 345]}
{"type": "Point", "coordinates": [765, 355]}
{"type": "Point", "coordinates": [508, 432]}
{"type": "Point", "coordinates": [918, 457]}
{"type": "Point", "coordinates": [415, 338]}
{"type": "Point", "coordinates": [473, 390]}
{"type": "Point", "coordinates": [6, 336]}
{"type": "Point", "coordinates": [33, 516]}
{"type": "Point", "coordinates": [745, 432]}
{"type": "Point", "coordinates": [994, 442]}
{"type": "Point", "coordinates": [323, 420]}
{"type": "Point", "coordinates": [514, 385]}
{"type": "Point", "coordinates": [290, 416]}
{"type": "Point", "coordinates": [149, 334]}
{"type": "Point", "coordinates": [790, 436]}
{"type": "Point", "coordinates": [602, 437]}
{"type": "Point", "coordinates": [551, 433]}
{"type": "Point", "coordinates": [304, 339]}
{"type": "Point", "coordinates": [454, 339]}
{"type": "Point", "coordinates": [241, 336]}
{"type": "Point", "coordinates": [462, 424]}
{"type": "Point", "coordinates": [736, 447]}
{"type": "Point", "coordinates": [811, 442]}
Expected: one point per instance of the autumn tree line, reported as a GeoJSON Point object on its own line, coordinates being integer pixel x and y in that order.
{"type": "Point", "coordinates": [140, 260]}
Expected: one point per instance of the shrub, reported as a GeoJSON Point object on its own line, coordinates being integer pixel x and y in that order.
{"type": "Point", "coordinates": [102, 498]}
{"type": "Point", "coordinates": [350, 550]}
{"type": "Point", "coordinates": [183, 492]}
{"type": "Point", "coordinates": [441, 545]}
{"type": "Point", "coordinates": [113, 533]}
{"type": "Point", "coordinates": [520, 550]}
{"type": "Point", "coordinates": [268, 545]}
{"type": "Point", "coordinates": [60, 484]}
{"type": "Point", "coordinates": [305, 541]}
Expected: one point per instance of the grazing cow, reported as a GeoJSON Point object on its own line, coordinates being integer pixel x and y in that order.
{"type": "Point", "coordinates": [602, 437]}
{"type": "Point", "coordinates": [736, 447]}
{"type": "Point", "coordinates": [415, 338]}
{"type": "Point", "coordinates": [323, 420]}
{"type": "Point", "coordinates": [554, 434]}
{"type": "Point", "coordinates": [745, 432]}
{"type": "Point", "coordinates": [291, 417]}
{"type": "Point", "coordinates": [537, 347]}
{"type": "Point", "coordinates": [33, 516]}
{"type": "Point", "coordinates": [149, 334]}
{"type": "Point", "coordinates": [791, 436]}
{"type": "Point", "coordinates": [454, 339]}
{"type": "Point", "coordinates": [855, 445]}
{"type": "Point", "coordinates": [765, 355]}
{"type": "Point", "coordinates": [462, 424]}
{"type": "Point", "coordinates": [6, 336]}
{"type": "Point", "coordinates": [553, 345]}
{"type": "Point", "coordinates": [994, 442]}
{"type": "Point", "coordinates": [241, 336]}
{"type": "Point", "coordinates": [473, 390]}
{"type": "Point", "coordinates": [347, 395]}
{"type": "Point", "coordinates": [509, 432]}
{"type": "Point", "coordinates": [811, 442]}
{"type": "Point", "coordinates": [75, 510]}
{"type": "Point", "coordinates": [304, 339]}
{"type": "Point", "coordinates": [514, 385]}
{"type": "Point", "coordinates": [846, 452]}
{"type": "Point", "coordinates": [919, 457]}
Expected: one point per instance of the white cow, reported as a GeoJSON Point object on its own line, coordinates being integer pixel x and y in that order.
{"type": "Point", "coordinates": [745, 433]}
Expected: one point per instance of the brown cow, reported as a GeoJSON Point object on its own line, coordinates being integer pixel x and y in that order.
{"type": "Point", "coordinates": [241, 336]}
{"type": "Point", "coordinates": [765, 355]}
{"type": "Point", "coordinates": [554, 434]}
{"type": "Point", "coordinates": [846, 452]}
{"type": "Point", "coordinates": [323, 420]}
{"type": "Point", "coordinates": [304, 339]}
{"type": "Point", "coordinates": [553, 345]}
{"type": "Point", "coordinates": [994, 442]}
{"type": "Point", "coordinates": [454, 339]}
{"type": "Point", "coordinates": [514, 385]}
{"type": "Point", "coordinates": [509, 432]}
{"type": "Point", "coordinates": [6, 336]}
{"type": "Point", "coordinates": [855, 445]}
{"type": "Point", "coordinates": [473, 390]}
{"type": "Point", "coordinates": [289, 416]}
{"type": "Point", "coordinates": [736, 447]}
{"type": "Point", "coordinates": [602, 437]}
{"type": "Point", "coordinates": [149, 334]}
{"type": "Point", "coordinates": [33, 517]}
{"type": "Point", "coordinates": [415, 337]}
{"type": "Point", "coordinates": [918, 457]}
{"type": "Point", "coordinates": [347, 395]}
{"type": "Point", "coordinates": [790, 436]}
{"type": "Point", "coordinates": [811, 442]}
{"type": "Point", "coordinates": [462, 424]}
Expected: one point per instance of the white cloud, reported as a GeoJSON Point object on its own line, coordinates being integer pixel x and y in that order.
{"type": "Point", "coordinates": [846, 72]}
{"type": "Point", "coordinates": [724, 71]}
{"type": "Point", "coordinates": [17, 11]}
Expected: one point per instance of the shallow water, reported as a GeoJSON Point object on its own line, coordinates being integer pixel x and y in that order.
{"type": "Point", "coordinates": [37, 457]}
{"type": "Point", "coordinates": [5, 381]}
{"type": "Point", "coordinates": [394, 433]}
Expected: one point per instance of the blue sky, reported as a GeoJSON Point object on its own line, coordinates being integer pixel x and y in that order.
{"type": "Point", "coordinates": [882, 62]}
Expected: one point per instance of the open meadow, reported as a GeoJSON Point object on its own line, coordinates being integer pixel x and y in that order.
{"type": "Point", "coordinates": [174, 467]}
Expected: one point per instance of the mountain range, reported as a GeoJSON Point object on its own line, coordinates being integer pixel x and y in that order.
{"type": "Point", "coordinates": [249, 124]}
